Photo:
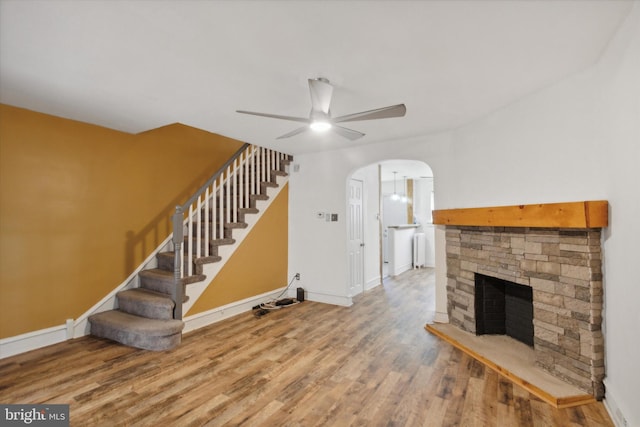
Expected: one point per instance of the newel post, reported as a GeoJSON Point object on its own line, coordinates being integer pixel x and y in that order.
{"type": "Point", "coordinates": [178, 239]}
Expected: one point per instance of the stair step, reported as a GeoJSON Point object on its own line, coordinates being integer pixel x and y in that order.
{"type": "Point", "coordinates": [207, 260]}
{"type": "Point", "coordinates": [165, 260]}
{"type": "Point", "coordinates": [223, 242]}
{"type": "Point", "coordinates": [232, 225]}
{"type": "Point", "coordinates": [271, 184]}
{"type": "Point", "coordinates": [157, 280]}
{"type": "Point", "coordinates": [161, 281]}
{"type": "Point", "coordinates": [255, 197]}
{"type": "Point", "coordinates": [146, 303]}
{"type": "Point", "coordinates": [137, 331]}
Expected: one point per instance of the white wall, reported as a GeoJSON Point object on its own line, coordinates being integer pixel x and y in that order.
{"type": "Point", "coordinates": [317, 249]}
{"type": "Point", "coordinates": [576, 140]}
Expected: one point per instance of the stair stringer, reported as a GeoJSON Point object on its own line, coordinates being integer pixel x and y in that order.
{"type": "Point", "coordinates": [195, 290]}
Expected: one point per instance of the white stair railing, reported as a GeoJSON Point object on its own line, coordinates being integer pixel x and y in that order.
{"type": "Point", "coordinates": [215, 208]}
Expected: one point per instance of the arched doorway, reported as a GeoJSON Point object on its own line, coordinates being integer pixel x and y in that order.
{"type": "Point", "coordinates": [370, 218]}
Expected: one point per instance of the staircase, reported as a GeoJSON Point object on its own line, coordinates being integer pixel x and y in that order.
{"type": "Point", "coordinates": [149, 316]}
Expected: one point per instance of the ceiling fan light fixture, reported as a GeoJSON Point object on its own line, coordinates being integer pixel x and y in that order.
{"type": "Point", "coordinates": [320, 119]}
{"type": "Point", "coordinates": [320, 126]}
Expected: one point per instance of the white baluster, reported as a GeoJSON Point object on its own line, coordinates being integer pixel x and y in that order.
{"type": "Point", "coordinates": [206, 222]}
{"type": "Point", "coordinates": [253, 170]}
{"type": "Point", "coordinates": [198, 226]}
{"type": "Point", "coordinates": [182, 272]}
{"type": "Point", "coordinates": [234, 178]}
{"type": "Point", "coordinates": [267, 177]}
{"type": "Point", "coordinates": [216, 206]}
{"type": "Point", "coordinates": [189, 240]}
{"type": "Point", "coordinates": [247, 172]}
{"type": "Point", "coordinates": [240, 182]}
{"type": "Point", "coordinates": [227, 218]}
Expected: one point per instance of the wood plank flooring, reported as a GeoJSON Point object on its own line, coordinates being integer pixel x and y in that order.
{"type": "Point", "coordinates": [312, 364]}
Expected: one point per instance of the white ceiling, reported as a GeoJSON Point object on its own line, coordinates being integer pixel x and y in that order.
{"type": "Point", "coordinates": [136, 65]}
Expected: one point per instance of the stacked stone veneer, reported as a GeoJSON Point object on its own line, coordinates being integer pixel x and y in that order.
{"type": "Point", "coordinates": [563, 266]}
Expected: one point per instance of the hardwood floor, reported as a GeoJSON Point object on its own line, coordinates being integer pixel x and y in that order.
{"type": "Point", "coordinates": [307, 365]}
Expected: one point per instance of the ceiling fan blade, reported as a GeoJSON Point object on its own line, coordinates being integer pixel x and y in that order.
{"type": "Point", "coordinates": [294, 132]}
{"type": "Point", "coordinates": [321, 92]}
{"type": "Point", "coordinates": [380, 113]}
{"type": "Point", "coordinates": [350, 134]}
{"type": "Point", "coordinates": [275, 116]}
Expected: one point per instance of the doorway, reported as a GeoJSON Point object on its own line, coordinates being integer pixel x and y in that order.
{"type": "Point", "coordinates": [368, 266]}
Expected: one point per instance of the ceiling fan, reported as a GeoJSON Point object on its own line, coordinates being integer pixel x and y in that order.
{"type": "Point", "coordinates": [320, 117]}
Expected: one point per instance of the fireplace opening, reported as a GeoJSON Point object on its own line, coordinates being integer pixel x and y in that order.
{"type": "Point", "coordinates": [503, 308]}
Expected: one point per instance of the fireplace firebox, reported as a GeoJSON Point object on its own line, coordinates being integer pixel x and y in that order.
{"type": "Point", "coordinates": [503, 308]}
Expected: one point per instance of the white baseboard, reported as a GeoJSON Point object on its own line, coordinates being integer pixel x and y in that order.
{"type": "Point", "coordinates": [613, 407]}
{"type": "Point", "coordinates": [32, 340]}
{"type": "Point", "coordinates": [217, 314]}
{"type": "Point", "coordinates": [441, 317]}
{"type": "Point", "coordinates": [372, 283]}
{"type": "Point", "coordinates": [401, 269]}
{"type": "Point", "coordinates": [328, 298]}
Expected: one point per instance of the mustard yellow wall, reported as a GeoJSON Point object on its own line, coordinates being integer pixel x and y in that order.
{"type": "Point", "coordinates": [258, 265]}
{"type": "Point", "coordinates": [81, 206]}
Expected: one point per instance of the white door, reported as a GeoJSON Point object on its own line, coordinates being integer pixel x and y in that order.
{"type": "Point", "coordinates": [356, 243]}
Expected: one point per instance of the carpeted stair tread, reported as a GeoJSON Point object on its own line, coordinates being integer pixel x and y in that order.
{"type": "Point", "coordinates": [136, 331]}
{"type": "Point", "coordinates": [162, 281]}
{"type": "Point", "coordinates": [166, 260]}
{"type": "Point", "coordinates": [146, 303]}
{"type": "Point", "coordinates": [157, 280]}
{"type": "Point", "coordinates": [232, 225]}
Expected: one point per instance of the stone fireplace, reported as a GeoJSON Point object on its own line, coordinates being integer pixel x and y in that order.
{"type": "Point", "coordinates": [562, 268]}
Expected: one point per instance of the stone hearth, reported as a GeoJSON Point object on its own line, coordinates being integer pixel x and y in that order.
{"type": "Point", "coordinates": [562, 266]}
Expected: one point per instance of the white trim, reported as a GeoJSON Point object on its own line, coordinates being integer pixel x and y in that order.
{"type": "Point", "coordinates": [328, 298]}
{"type": "Point", "coordinates": [441, 317]}
{"type": "Point", "coordinates": [612, 407]}
{"type": "Point", "coordinates": [32, 340]}
{"type": "Point", "coordinates": [375, 282]}
{"type": "Point", "coordinates": [217, 314]}
{"type": "Point", "coordinates": [401, 269]}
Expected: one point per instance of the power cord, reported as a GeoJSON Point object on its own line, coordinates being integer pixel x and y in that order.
{"type": "Point", "coordinates": [276, 303]}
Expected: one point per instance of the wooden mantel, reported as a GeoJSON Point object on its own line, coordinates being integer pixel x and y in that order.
{"type": "Point", "coordinates": [587, 214]}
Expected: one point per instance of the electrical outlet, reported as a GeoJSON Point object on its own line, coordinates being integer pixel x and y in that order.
{"type": "Point", "coordinates": [297, 276]}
